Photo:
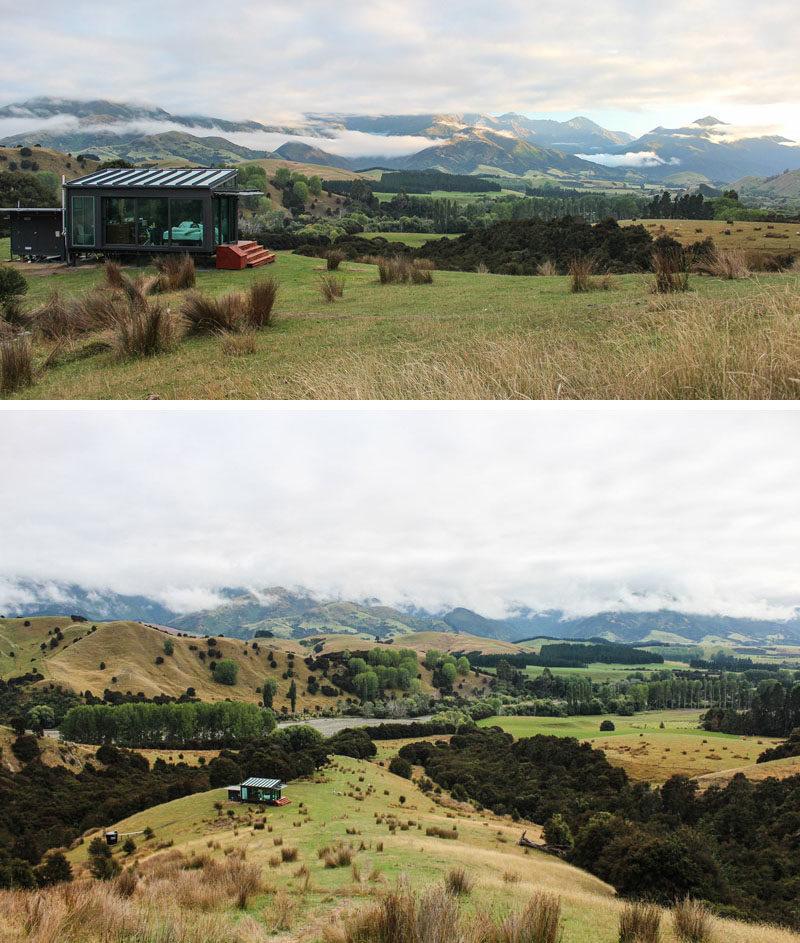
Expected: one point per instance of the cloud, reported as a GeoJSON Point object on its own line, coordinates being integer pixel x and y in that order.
{"type": "Point", "coordinates": [409, 56]}
{"type": "Point", "coordinates": [631, 159]}
{"type": "Point", "coordinates": [575, 510]}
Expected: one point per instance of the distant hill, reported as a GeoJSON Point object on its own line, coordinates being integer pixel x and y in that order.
{"type": "Point", "coordinates": [711, 148]}
{"type": "Point", "coordinates": [46, 159]}
{"type": "Point", "coordinates": [296, 615]}
{"type": "Point", "coordinates": [779, 192]}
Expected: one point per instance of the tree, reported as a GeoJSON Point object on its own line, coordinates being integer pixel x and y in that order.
{"type": "Point", "coordinates": [462, 665]}
{"type": "Point", "coordinates": [448, 673]}
{"type": "Point", "coordinates": [169, 646]}
{"type": "Point", "coordinates": [557, 832]}
{"type": "Point", "coordinates": [282, 176]}
{"type": "Point", "coordinates": [293, 694]}
{"type": "Point", "coordinates": [55, 870]}
{"type": "Point", "coordinates": [129, 847]}
{"type": "Point", "coordinates": [400, 767]}
{"type": "Point", "coordinates": [300, 192]}
{"type": "Point", "coordinates": [101, 862]}
{"type": "Point", "coordinates": [607, 725]}
{"type": "Point", "coordinates": [13, 285]}
{"type": "Point", "coordinates": [41, 716]}
{"type": "Point", "coordinates": [225, 671]}
{"type": "Point", "coordinates": [315, 185]}
{"type": "Point", "coordinates": [25, 748]}
{"type": "Point", "coordinates": [268, 691]}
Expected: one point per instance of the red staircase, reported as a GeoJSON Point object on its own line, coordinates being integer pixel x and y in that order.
{"type": "Point", "coordinates": [282, 801]}
{"type": "Point", "coordinates": [238, 255]}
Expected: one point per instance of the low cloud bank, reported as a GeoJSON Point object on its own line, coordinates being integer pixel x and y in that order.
{"type": "Point", "coordinates": [631, 159]}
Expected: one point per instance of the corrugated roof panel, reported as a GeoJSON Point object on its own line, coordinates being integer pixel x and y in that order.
{"type": "Point", "coordinates": [203, 177]}
{"type": "Point", "coordinates": [259, 783]}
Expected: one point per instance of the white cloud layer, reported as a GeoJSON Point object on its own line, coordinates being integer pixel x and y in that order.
{"type": "Point", "coordinates": [582, 510]}
{"type": "Point", "coordinates": [631, 159]}
{"type": "Point", "coordinates": [278, 61]}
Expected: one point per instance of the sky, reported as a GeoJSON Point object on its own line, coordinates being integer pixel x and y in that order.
{"type": "Point", "coordinates": [580, 509]}
{"type": "Point", "coordinates": [628, 64]}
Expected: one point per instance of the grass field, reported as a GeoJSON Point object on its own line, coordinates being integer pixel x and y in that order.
{"type": "Point", "coordinates": [645, 750]}
{"type": "Point", "coordinates": [465, 336]}
{"type": "Point", "coordinates": [772, 237]}
{"type": "Point", "coordinates": [359, 804]}
{"type": "Point", "coordinates": [414, 239]}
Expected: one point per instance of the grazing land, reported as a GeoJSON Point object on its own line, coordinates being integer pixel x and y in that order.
{"type": "Point", "coordinates": [647, 751]}
{"type": "Point", "coordinates": [464, 336]}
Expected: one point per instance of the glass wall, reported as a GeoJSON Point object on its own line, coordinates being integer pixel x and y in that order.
{"type": "Point", "coordinates": [152, 217]}
{"type": "Point", "coordinates": [187, 222]}
{"type": "Point", "coordinates": [83, 235]}
{"type": "Point", "coordinates": [224, 224]}
{"type": "Point", "coordinates": [119, 220]}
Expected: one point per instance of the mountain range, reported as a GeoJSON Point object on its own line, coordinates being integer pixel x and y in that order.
{"type": "Point", "coordinates": [241, 612]}
{"type": "Point", "coordinates": [706, 150]}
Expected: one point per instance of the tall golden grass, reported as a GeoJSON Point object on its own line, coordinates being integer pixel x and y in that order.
{"type": "Point", "coordinates": [16, 364]}
{"type": "Point", "coordinates": [682, 348]}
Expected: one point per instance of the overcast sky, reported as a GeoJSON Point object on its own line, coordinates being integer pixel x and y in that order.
{"type": "Point", "coordinates": [630, 64]}
{"type": "Point", "coordinates": [582, 510]}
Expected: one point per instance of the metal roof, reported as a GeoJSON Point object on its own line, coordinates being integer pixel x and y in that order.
{"type": "Point", "coordinates": [31, 209]}
{"type": "Point", "coordinates": [263, 783]}
{"type": "Point", "coordinates": [156, 177]}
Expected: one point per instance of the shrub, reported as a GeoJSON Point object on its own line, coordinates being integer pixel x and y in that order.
{"type": "Point", "coordinates": [692, 921]}
{"type": "Point", "coordinates": [169, 646]}
{"type": "Point", "coordinates": [400, 767]}
{"type": "Point", "coordinates": [458, 882]}
{"type": "Point", "coordinates": [333, 258]}
{"type": "Point", "coordinates": [607, 725]}
{"type": "Point", "coordinates": [331, 286]}
{"type": "Point", "coordinates": [129, 846]}
{"type": "Point", "coordinates": [580, 273]}
{"type": "Point", "coordinates": [557, 832]}
{"type": "Point", "coordinates": [640, 923]}
{"type": "Point", "coordinates": [225, 671]}
{"type": "Point", "coordinates": [259, 310]}
{"type": "Point", "coordinates": [16, 364]}
{"type": "Point", "coordinates": [13, 284]}
{"type": "Point", "coordinates": [25, 748]}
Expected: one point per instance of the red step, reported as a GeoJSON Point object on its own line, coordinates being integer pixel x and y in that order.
{"type": "Point", "coordinates": [239, 255]}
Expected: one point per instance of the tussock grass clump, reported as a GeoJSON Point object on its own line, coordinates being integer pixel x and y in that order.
{"type": "Point", "coordinates": [175, 272]}
{"type": "Point", "coordinates": [422, 272]}
{"type": "Point", "coordinates": [244, 881]}
{"type": "Point", "coordinates": [671, 268]}
{"type": "Point", "coordinates": [546, 268]}
{"type": "Point", "coordinates": [339, 856]}
{"type": "Point", "coordinates": [396, 269]}
{"type": "Point", "coordinates": [692, 921]}
{"type": "Point", "coordinates": [439, 832]}
{"type": "Point", "coordinates": [482, 268]}
{"type": "Point", "coordinates": [289, 853]}
{"type": "Point", "coordinates": [146, 330]}
{"type": "Point", "coordinates": [16, 364]}
{"type": "Point", "coordinates": [206, 315]}
{"type": "Point", "coordinates": [113, 274]}
{"type": "Point", "coordinates": [331, 286]}
{"type": "Point", "coordinates": [239, 345]}
{"type": "Point", "coordinates": [728, 263]}
{"type": "Point", "coordinates": [260, 308]}
{"type": "Point", "coordinates": [333, 259]}
{"type": "Point", "coordinates": [457, 881]}
{"type": "Point", "coordinates": [640, 923]}
{"type": "Point", "coordinates": [580, 273]}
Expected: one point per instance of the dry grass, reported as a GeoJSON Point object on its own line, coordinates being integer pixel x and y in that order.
{"type": "Point", "coordinates": [457, 881]}
{"type": "Point", "coordinates": [547, 268]}
{"type": "Point", "coordinates": [396, 269]}
{"type": "Point", "coordinates": [482, 268]}
{"type": "Point", "coordinates": [687, 348]}
{"type": "Point", "coordinates": [206, 315]}
{"type": "Point", "coordinates": [725, 263]}
{"type": "Point", "coordinates": [331, 286]}
{"type": "Point", "coordinates": [238, 345]}
{"type": "Point", "coordinates": [16, 364]}
{"type": "Point", "coordinates": [339, 856]}
{"type": "Point", "coordinates": [289, 853]}
{"type": "Point", "coordinates": [692, 921]}
{"type": "Point", "coordinates": [640, 923]}
{"type": "Point", "coordinates": [422, 272]}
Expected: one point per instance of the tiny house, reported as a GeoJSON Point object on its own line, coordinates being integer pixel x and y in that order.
{"type": "Point", "coordinates": [129, 211]}
{"type": "Point", "coordinates": [257, 789]}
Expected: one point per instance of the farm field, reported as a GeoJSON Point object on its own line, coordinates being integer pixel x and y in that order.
{"type": "Point", "coordinates": [642, 748]}
{"type": "Point", "coordinates": [413, 239]}
{"type": "Point", "coordinates": [464, 336]}
{"type": "Point", "coordinates": [355, 802]}
{"type": "Point", "coordinates": [771, 237]}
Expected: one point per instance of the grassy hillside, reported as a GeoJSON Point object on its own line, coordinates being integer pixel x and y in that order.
{"type": "Point", "coordinates": [755, 237]}
{"type": "Point", "coordinates": [464, 336]}
{"type": "Point", "coordinates": [72, 756]}
{"type": "Point", "coordinates": [383, 820]}
{"type": "Point", "coordinates": [25, 641]}
{"type": "Point", "coordinates": [54, 161]}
